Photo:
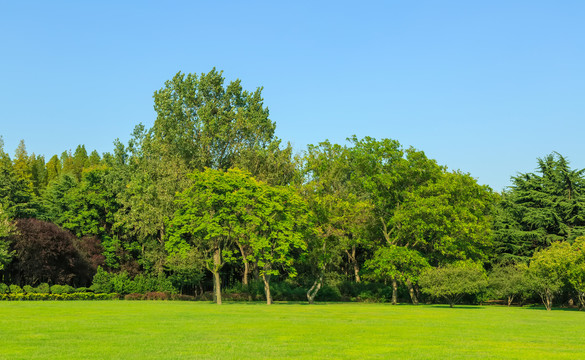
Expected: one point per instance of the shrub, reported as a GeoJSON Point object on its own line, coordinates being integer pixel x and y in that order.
{"type": "Point", "coordinates": [134, 296]}
{"type": "Point", "coordinates": [329, 293]}
{"type": "Point", "coordinates": [28, 289]}
{"type": "Point", "coordinates": [157, 295]}
{"type": "Point", "coordinates": [43, 288]}
{"type": "Point", "coordinates": [47, 253]}
{"type": "Point", "coordinates": [104, 282]}
{"type": "Point", "coordinates": [101, 281]}
{"type": "Point", "coordinates": [182, 297]}
{"type": "Point", "coordinates": [15, 289]}
{"type": "Point", "coordinates": [46, 296]}
{"type": "Point", "coordinates": [62, 289]}
{"type": "Point", "coordinates": [4, 289]}
{"type": "Point", "coordinates": [121, 283]}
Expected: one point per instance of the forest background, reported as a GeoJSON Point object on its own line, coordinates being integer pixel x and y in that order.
{"type": "Point", "coordinates": [210, 186]}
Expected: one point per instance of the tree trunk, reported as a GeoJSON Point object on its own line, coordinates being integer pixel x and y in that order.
{"type": "Point", "coordinates": [256, 272]}
{"type": "Point", "coordinates": [266, 279]}
{"type": "Point", "coordinates": [216, 278]}
{"type": "Point", "coordinates": [412, 292]}
{"type": "Point", "coordinates": [547, 299]}
{"type": "Point", "coordinates": [394, 291]}
{"type": "Point", "coordinates": [312, 293]}
{"type": "Point", "coordinates": [510, 299]}
{"type": "Point", "coordinates": [246, 264]}
{"type": "Point", "coordinates": [353, 261]}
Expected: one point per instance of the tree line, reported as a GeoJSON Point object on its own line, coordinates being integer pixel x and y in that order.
{"type": "Point", "coordinates": [209, 198]}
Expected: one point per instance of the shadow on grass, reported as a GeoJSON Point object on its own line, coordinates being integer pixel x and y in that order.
{"type": "Point", "coordinates": [460, 307]}
{"type": "Point", "coordinates": [542, 308]}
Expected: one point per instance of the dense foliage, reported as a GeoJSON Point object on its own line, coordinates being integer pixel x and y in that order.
{"type": "Point", "coordinates": [210, 187]}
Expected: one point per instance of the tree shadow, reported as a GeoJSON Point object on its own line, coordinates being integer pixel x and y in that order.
{"type": "Point", "coordinates": [542, 308]}
{"type": "Point", "coordinates": [462, 307]}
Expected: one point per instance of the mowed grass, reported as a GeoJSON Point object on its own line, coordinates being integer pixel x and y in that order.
{"type": "Point", "coordinates": [197, 330]}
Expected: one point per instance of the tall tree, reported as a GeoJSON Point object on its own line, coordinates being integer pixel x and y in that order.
{"type": "Point", "coordinates": [210, 216]}
{"type": "Point", "coordinates": [16, 194]}
{"type": "Point", "coordinates": [280, 217]}
{"type": "Point", "coordinates": [446, 220]}
{"type": "Point", "coordinates": [6, 230]}
{"type": "Point", "coordinates": [209, 124]}
{"type": "Point", "coordinates": [21, 165]}
{"type": "Point", "coordinates": [539, 209]}
{"type": "Point", "coordinates": [53, 168]}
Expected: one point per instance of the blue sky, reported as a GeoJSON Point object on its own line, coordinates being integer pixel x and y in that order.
{"type": "Point", "coordinates": [482, 86]}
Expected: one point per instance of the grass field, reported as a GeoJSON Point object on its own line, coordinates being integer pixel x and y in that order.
{"type": "Point", "coordinates": [196, 330]}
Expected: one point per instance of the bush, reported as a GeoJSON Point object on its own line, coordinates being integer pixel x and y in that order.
{"type": "Point", "coordinates": [367, 291]}
{"type": "Point", "coordinates": [157, 295]}
{"type": "Point", "coordinates": [28, 289]}
{"type": "Point", "coordinates": [43, 288]}
{"type": "Point", "coordinates": [15, 289]}
{"type": "Point", "coordinates": [121, 283]}
{"type": "Point", "coordinates": [62, 289]}
{"type": "Point", "coordinates": [181, 297]}
{"type": "Point", "coordinates": [134, 296]}
{"type": "Point", "coordinates": [46, 252]}
{"type": "Point", "coordinates": [328, 293]}
{"type": "Point", "coordinates": [46, 296]}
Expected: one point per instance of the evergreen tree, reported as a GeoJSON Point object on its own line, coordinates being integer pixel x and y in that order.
{"type": "Point", "coordinates": [540, 209]}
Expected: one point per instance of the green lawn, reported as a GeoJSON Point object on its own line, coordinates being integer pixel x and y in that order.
{"type": "Point", "coordinates": [196, 330]}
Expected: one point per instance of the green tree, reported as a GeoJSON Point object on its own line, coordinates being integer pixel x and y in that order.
{"type": "Point", "coordinates": [16, 194]}
{"type": "Point", "coordinates": [80, 161]}
{"type": "Point", "coordinates": [94, 159]}
{"type": "Point", "coordinates": [548, 270]}
{"type": "Point", "coordinates": [6, 230]}
{"type": "Point", "coordinates": [576, 270]}
{"type": "Point", "coordinates": [539, 209]}
{"type": "Point", "coordinates": [280, 217]}
{"type": "Point", "coordinates": [39, 176]}
{"type": "Point", "coordinates": [208, 124]}
{"type": "Point", "coordinates": [509, 281]}
{"type": "Point", "coordinates": [336, 223]}
{"type": "Point", "coordinates": [67, 163]}
{"type": "Point", "coordinates": [53, 168]}
{"type": "Point", "coordinates": [453, 281]}
{"type": "Point", "coordinates": [446, 220]}
{"type": "Point", "coordinates": [386, 173]}
{"type": "Point", "coordinates": [211, 213]}
{"type": "Point", "coordinates": [343, 213]}
{"type": "Point", "coordinates": [397, 264]}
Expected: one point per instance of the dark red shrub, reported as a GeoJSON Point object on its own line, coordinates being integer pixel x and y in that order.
{"type": "Point", "coordinates": [91, 247]}
{"type": "Point", "coordinates": [157, 296]}
{"type": "Point", "coordinates": [46, 253]}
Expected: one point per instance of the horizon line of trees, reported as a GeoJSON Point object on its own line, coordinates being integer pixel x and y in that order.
{"type": "Point", "coordinates": [209, 197]}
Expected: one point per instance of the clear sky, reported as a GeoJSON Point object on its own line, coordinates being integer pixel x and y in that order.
{"type": "Point", "coordinates": [482, 86]}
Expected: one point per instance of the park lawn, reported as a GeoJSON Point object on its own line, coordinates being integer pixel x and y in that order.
{"type": "Point", "coordinates": [199, 330]}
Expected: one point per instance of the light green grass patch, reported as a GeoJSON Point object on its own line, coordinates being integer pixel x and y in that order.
{"type": "Point", "coordinates": [196, 330]}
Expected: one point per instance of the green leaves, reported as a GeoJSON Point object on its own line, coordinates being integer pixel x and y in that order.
{"type": "Point", "coordinates": [447, 219]}
{"type": "Point", "coordinates": [452, 281]}
{"type": "Point", "coordinates": [540, 209]}
{"type": "Point", "coordinates": [208, 124]}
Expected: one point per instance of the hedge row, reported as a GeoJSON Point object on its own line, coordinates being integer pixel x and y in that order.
{"type": "Point", "coordinates": [73, 296]}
